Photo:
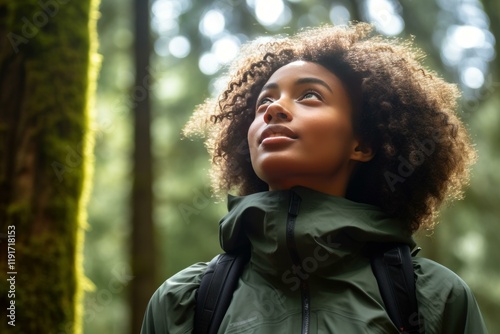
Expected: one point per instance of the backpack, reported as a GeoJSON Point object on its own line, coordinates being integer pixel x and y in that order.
{"type": "Point", "coordinates": [391, 264]}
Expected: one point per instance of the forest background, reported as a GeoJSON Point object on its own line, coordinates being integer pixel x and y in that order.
{"type": "Point", "coordinates": [151, 212]}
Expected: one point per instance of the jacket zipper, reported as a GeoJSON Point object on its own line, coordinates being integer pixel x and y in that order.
{"type": "Point", "coordinates": [293, 211]}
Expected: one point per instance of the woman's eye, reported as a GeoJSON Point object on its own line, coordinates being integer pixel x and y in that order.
{"type": "Point", "coordinates": [311, 95]}
{"type": "Point", "coordinates": [265, 100]}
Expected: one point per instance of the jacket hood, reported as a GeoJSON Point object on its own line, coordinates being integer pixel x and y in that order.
{"type": "Point", "coordinates": [327, 230]}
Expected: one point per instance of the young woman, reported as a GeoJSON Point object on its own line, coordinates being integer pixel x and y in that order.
{"type": "Point", "coordinates": [333, 139]}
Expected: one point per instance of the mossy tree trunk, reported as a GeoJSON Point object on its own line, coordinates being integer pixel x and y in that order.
{"type": "Point", "coordinates": [48, 67]}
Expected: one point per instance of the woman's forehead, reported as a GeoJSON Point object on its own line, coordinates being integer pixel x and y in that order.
{"type": "Point", "coordinates": [300, 70]}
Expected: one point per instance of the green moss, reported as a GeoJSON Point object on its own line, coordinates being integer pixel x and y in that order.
{"type": "Point", "coordinates": [47, 205]}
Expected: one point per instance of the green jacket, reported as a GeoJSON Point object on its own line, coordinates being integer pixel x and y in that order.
{"type": "Point", "coordinates": [308, 274]}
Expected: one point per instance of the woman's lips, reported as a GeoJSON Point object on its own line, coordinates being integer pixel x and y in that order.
{"type": "Point", "coordinates": [276, 133]}
{"type": "Point", "coordinates": [277, 140]}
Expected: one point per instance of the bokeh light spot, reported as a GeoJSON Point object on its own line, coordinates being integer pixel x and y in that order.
{"type": "Point", "coordinates": [179, 47]}
{"type": "Point", "coordinates": [384, 16]}
{"type": "Point", "coordinates": [226, 48]}
{"type": "Point", "coordinates": [268, 12]}
{"type": "Point", "coordinates": [472, 77]}
{"type": "Point", "coordinates": [467, 36]}
{"type": "Point", "coordinates": [339, 15]}
{"type": "Point", "coordinates": [208, 63]}
{"type": "Point", "coordinates": [212, 23]}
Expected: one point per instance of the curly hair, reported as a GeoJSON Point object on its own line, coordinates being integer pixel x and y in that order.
{"type": "Point", "coordinates": [404, 112]}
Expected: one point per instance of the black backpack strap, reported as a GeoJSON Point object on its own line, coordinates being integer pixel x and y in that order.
{"type": "Point", "coordinates": [216, 291]}
{"type": "Point", "coordinates": [392, 266]}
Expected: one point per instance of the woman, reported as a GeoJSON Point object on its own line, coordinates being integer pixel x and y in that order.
{"type": "Point", "coordinates": [333, 139]}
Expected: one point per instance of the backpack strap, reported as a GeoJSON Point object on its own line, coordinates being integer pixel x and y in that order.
{"type": "Point", "coordinates": [392, 266]}
{"type": "Point", "coordinates": [216, 290]}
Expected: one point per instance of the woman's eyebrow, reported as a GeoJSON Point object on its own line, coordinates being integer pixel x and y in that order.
{"type": "Point", "coordinates": [308, 80]}
{"type": "Point", "coordinates": [301, 81]}
{"type": "Point", "coordinates": [271, 85]}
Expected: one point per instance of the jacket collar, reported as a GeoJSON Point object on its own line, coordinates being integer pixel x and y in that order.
{"type": "Point", "coordinates": [327, 228]}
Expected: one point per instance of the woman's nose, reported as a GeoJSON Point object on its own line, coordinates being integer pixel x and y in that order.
{"type": "Point", "coordinates": [277, 113]}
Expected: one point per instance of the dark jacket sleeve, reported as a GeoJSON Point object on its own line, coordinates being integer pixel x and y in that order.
{"type": "Point", "coordinates": [446, 302]}
{"type": "Point", "coordinates": [171, 308]}
{"type": "Point", "coordinates": [461, 314]}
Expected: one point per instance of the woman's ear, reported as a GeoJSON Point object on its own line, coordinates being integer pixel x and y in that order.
{"type": "Point", "coordinates": [362, 152]}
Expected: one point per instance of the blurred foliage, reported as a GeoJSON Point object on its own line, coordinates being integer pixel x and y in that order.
{"type": "Point", "coordinates": [186, 216]}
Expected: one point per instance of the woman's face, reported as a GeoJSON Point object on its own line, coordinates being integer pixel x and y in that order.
{"type": "Point", "coordinates": [302, 133]}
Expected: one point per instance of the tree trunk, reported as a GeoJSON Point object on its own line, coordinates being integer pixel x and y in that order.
{"type": "Point", "coordinates": [143, 250]}
{"type": "Point", "coordinates": [48, 69]}
{"type": "Point", "coordinates": [492, 9]}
